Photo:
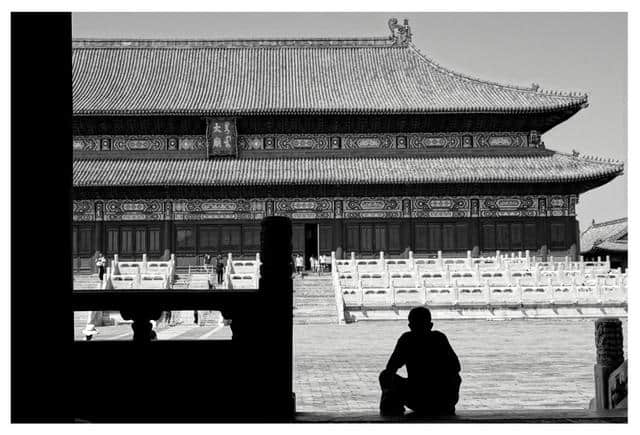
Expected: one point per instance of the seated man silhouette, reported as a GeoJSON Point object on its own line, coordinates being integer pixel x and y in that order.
{"type": "Point", "coordinates": [432, 367]}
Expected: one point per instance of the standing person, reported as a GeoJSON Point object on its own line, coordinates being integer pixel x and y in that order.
{"type": "Point", "coordinates": [101, 264]}
{"type": "Point", "coordinates": [220, 269]}
{"type": "Point", "coordinates": [323, 261]}
{"type": "Point", "coordinates": [299, 264]}
{"type": "Point", "coordinates": [313, 263]}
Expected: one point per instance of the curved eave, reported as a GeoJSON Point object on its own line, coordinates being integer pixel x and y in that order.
{"type": "Point", "coordinates": [551, 169]}
{"type": "Point", "coordinates": [337, 111]}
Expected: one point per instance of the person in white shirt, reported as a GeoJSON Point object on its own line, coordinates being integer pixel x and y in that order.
{"type": "Point", "coordinates": [299, 264]}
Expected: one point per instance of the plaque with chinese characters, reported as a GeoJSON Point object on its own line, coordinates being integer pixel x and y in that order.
{"type": "Point", "coordinates": [221, 137]}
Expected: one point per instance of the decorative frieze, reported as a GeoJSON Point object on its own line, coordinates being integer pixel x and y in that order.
{"type": "Point", "coordinates": [364, 141]}
{"type": "Point", "coordinates": [133, 210]}
{"type": "Point", "coordinates": [304, 208]}
{"type": "Point", "coordinates": [559, 205]}
{"type": "Point", "coordinates": [508, 206]}
{"type": "Point", "coordinates": [140, 143]}
{"type": "Point", "coordinates": [327, 208]}
{"type": "Point", "coordinates": [440, 207]}
{"type": "Point", "coordinates": [384, 141]}
{"type": "Point", "coordinates": [222, 141]}
{"type": "Point", "coordinates": [197, 209]}
{"type": "Point", "coordinates": [84, 210]}
{"type": "Point", "coordinates": [378, 207]}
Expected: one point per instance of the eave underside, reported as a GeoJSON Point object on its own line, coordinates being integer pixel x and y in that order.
{"type": "Point", "coordinates": [279, 191]}
{"type": "Point", "coordinates": [324, 123]}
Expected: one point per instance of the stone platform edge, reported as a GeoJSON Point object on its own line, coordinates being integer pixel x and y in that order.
{"type": "Point", "coordinates": [480, 416]}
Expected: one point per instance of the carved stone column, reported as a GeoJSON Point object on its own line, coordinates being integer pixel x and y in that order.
{"type": "Point", "coordinates": [610, 355]}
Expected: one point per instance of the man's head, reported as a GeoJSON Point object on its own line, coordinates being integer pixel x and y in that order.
{"type": "Point", "coordinates": [420, 319]}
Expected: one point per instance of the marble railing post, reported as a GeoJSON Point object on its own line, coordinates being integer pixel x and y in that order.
{"type": "Point", "coordinates": [610, 354]}
{"type": "Point", "coordinates": [106, 280]}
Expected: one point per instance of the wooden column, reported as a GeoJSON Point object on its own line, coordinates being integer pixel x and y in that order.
{"type": "Point", "coordinates": [406, 228]}
{"type": "Point", "coordinates": [474, 227]}
{"type": "Point", "coordinates": [98, 233]}
{"type": "Point", "coordinates": [338, 237]}
{"type": "Point", "coordinates": [167, 227]}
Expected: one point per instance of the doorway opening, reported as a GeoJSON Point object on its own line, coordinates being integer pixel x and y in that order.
{"type": "Point", "coordinates": [310, 243]}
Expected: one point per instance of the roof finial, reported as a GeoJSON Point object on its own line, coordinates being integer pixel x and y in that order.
{"type": "Point", "coordinates": [400, 33]}
{"type": "Point", "coordinates": [535, 86]}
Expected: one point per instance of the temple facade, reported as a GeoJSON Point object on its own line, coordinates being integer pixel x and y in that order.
{"type": "Point", "coordinates": [368, 145]}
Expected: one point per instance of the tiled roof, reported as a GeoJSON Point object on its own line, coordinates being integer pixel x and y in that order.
{"type": "Point", "coordinates": [604, 235]}
{"type": "Point", "coordinates": [535, 168]}
{"type": "Point", "coordinates": [313, 76]}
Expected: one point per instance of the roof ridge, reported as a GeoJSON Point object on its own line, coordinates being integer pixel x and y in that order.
{"type": "Point", "coordinates": [200, 43]}
{"type": "Point", "coordinates": [400, 36]}
{"type": "Point", "coordinates": [609, 222]}
{"type": "Point", "coordinates": [534, 88]}
{"type": "Point", "coordinates": [592, 158]}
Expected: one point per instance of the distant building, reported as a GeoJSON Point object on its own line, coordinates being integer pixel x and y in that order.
{"type": "Point", "coordinates": [606, 238]}
{"type": "Point", "coordinates": [366, 144]}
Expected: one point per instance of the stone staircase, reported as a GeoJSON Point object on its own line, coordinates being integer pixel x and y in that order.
{"type": "Point", "coordinates": [314, 300]}
{"type": "Point", "coordinates": [181, 282]}
{"type": "Point", "coordinates": [205, 318]}
{"type": "Point", "coordinates": [86, 281]}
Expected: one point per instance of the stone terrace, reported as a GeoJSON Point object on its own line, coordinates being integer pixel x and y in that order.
{"type": "Point", "coordinates": [517, 364]}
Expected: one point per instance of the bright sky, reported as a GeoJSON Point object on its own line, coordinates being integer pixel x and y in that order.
{"type": "Point", "coordinates": [560, 51]}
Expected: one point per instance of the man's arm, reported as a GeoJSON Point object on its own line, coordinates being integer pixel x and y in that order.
{"type": "Point", "coordinates": [397, 358]}
{"type": "Point", "coordinates": [452, 358]}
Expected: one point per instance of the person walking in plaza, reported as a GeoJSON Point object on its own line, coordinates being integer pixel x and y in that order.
{"type": "Point", "coordinates": [101, 264]}
{"type": "Point", "coordinates": [220, 269]}
{"type": "Point", "coordinates": [433, 380]}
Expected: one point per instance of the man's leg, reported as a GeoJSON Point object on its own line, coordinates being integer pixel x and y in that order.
{"type": "Point", "coordinates": [394, 393]}
{"type": "Point", "coordinates": [442, 401]}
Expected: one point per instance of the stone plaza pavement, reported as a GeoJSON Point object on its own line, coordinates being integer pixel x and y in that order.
{"type": "Point", "coordinates": [516, 364]}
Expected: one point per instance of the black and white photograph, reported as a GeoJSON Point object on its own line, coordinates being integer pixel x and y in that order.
{"type": "Point", "coordinates": [319, 217]}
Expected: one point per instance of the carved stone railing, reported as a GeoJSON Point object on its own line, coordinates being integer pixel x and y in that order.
{"type": "Point", "coordinates": [357, 296]}
{"type": "Point", "coordinates": [501, 262]}
{"type": "Point", "coordinates": [493, 281]}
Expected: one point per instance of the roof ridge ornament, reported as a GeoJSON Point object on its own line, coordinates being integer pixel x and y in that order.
{"type": "Point", "coordinates": [400, 33]}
